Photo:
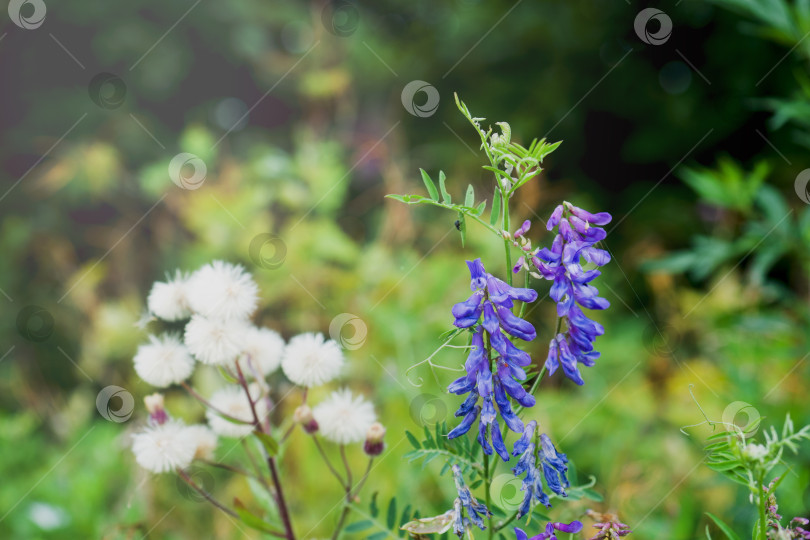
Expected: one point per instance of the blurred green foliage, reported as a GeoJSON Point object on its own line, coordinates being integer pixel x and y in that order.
{"type": "Point", "coordinates": [92, 219]}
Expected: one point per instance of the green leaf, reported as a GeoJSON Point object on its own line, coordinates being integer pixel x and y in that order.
{"type": "Point", "coordinates": [373, 508]}
{"type": "Point", "coordinates": [250, 519]}
{"type": "Point", "coordinates": [496, 207]}
{"type": "Point", "coordinates": [268, 442]}
{"type": "Point", "coordinates": [413, 441]}
{"type": "Point", "coordinates": [469, 198]}
{"type": "Point", "coordinates": [480, 208]}
{"type": "Point", "coordinates": [359, 526]}
{"type": "Point", "coordinates": [431, 187]}
{"type": "Point", "coordinates": [462, 227]}
{"type": "Point", "coordinates": [731, 535]}
{"type": "Point", "coordinates": [445, 195]}
{"type": "Point", "coordinates": [378, 535]}
{"type": "Point", "coordinates": [392, 513]}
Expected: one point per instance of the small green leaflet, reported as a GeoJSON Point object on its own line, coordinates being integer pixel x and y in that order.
{"type": "Point", "coordinates": [496, 207]}
{"type": "Point", "coordinates": [469, 198]}
{"type": "Point", "coordinates": [446, 199]}
{"type": "Point", "coordinates": [431, 187]}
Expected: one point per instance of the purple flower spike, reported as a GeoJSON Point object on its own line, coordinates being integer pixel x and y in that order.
{"type": "Point", "coordinates": [488, 313]}
{"type": "Point", "coordinates": [551, 527]}
{"type": "Point", "coordinates": [574, 245]}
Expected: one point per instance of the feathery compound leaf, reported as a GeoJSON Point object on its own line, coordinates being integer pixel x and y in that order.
{"type": "Point", "coordinates": [431, 187]}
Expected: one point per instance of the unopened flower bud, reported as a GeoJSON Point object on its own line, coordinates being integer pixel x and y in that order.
{"type": "Point", "coordinates": [524, 228]}
{"type": "Point", "coordinates": [506, 235]}
{"type": "Point", "coordinates": [157, 412]}
{"type": "Point", "coordinates": [303, 416]}
{"type": "Point", "coordinates": [374, 440]}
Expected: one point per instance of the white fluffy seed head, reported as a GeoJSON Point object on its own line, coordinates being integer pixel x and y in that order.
{"type": "Point", "coordinates": [168, 300]}
{"type": "Point", "coordinates": [262, 348]}
{"type": "Point", "coordinates": [163, 448]}
{"type": "Point", "coordinates": [221, 290]}
{"type": "Point", "coordinates": [232, 401]}
{"type": "Point", "coordinates": [343, 418]}
{"type": "Point", "coordinates": [214, 341]}
{"type": "Point", "coordinates": [310, 360]}
{"type": "Point", "coordinates": [163, 361]}
{"type": "Point", "coordinates": [205, 441]}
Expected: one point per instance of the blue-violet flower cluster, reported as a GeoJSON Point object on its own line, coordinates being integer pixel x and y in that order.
{"type": "Point", "coordinates": [578, 232]}
{"type": "Point", "coordinates": [476, 511]}
{"type": "Point", "coordinates": [549, 534]}
{"type": "Point", "coordinates": [492, 299]}
{"type": "Point", "coordinates": [553, 463]}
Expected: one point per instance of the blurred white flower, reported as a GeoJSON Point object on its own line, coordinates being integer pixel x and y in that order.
{"type": "Point", "coordinates": [223, 291]}
{"type": "Point", "coordinates": [755, 452]}
{"type": "Point", "coordinates": [263, 348]}
{"type": "Point", "coordinates": [309, 360]}
{"type": "Point", "coordinates": [163, 361]}
{"type": "Point", "coordinates": [169, 300]}
{"type": "Point", "coordinates": [214, 341]}
{"type": "Point", "coordinates": [204, 440]}
{"type": "Point", "coordinates": [163, 448]}
{"type": "Point", "coordinates": [343, 418]}
{"type": "Point", "coordinates": [232, 401]}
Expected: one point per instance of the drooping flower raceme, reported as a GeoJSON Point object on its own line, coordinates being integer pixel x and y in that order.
{"type": "Point", "coordinates": [491, 304]}
{"type": "Point", "coordinates": [465, 502]}
{"type": "Point", "coordinates": [578, 232]}
{"type": "Point", "coordinates": [550, 532]}
{"type": "Point", "coordinates": [553, 464]}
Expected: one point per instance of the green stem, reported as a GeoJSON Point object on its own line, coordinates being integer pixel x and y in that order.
{"type": "Point", "coordinates": [491, 529]}
{"type": "Point", "coordinates": [506, 241]}
{"type": "Point", "coordinates": [763, 501]}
